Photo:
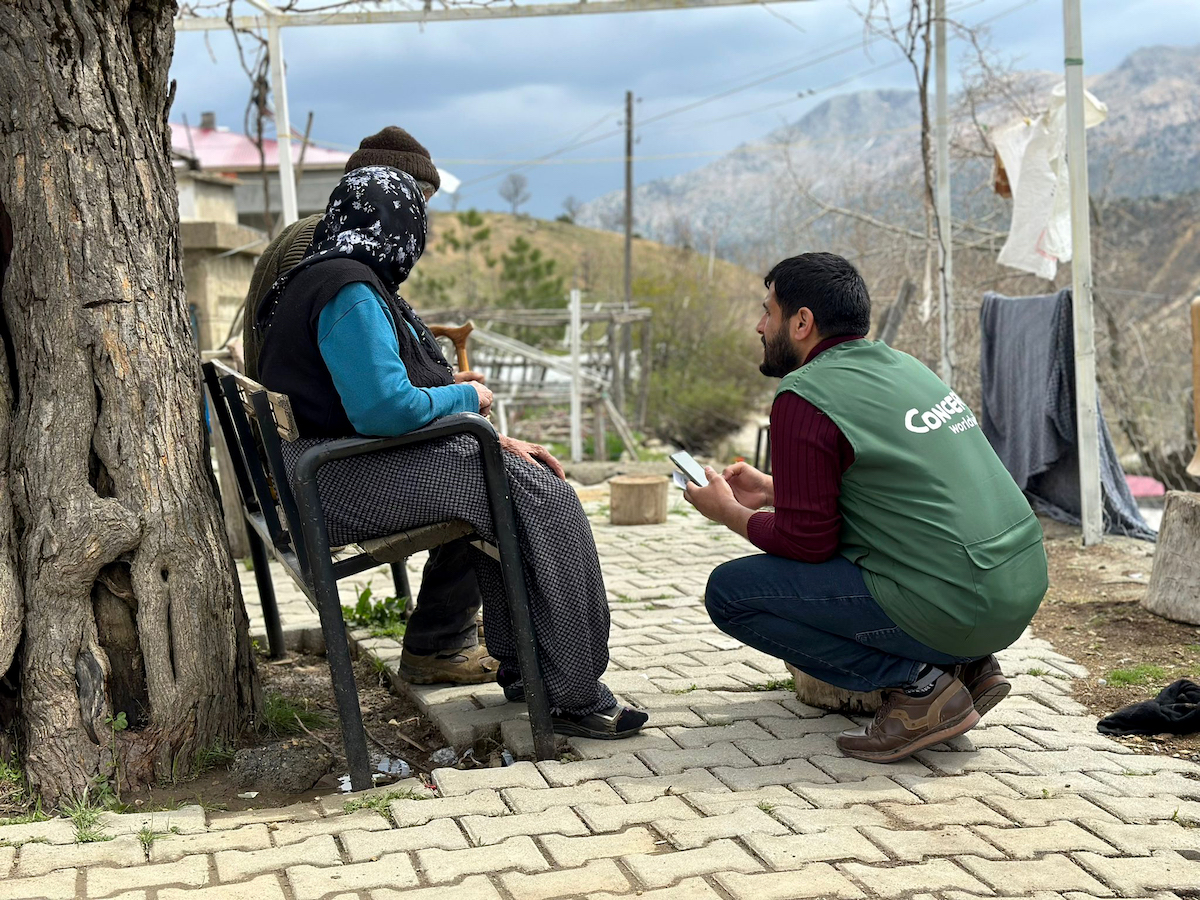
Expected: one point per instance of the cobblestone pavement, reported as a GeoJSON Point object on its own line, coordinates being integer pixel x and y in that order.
{"type": "Point", "coordinates": [735, 791]}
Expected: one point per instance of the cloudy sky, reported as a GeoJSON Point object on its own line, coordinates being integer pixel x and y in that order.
{"type": "Point", "coordinates": [484, 96]}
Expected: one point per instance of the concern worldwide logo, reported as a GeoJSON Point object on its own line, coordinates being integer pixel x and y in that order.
{"type": "Point", "coordinates": [934, 418]}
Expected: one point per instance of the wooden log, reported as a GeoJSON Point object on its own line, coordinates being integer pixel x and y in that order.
{"type": "Point", "coordinates": [823, 695]}
{"type": "Point", "coordinates": [638, 500]}
{"type": "Point", "coordinates": [1174, 590]}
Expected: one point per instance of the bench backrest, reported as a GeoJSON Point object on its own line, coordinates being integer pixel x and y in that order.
{"type": "Point", "coordinates": [254, 422]}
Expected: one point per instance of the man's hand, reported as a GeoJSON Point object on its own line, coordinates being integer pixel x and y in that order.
{"type": "Point", "coordinates": [716, 501]}
{"type": "Point", "coordinates": [462, 377]}
{"type": "Point", "coordinates": [752, 488]}
{"type": "Point", "coordinates": [485, 397]}
{"type": "Point", "coordinates": [533, 453]}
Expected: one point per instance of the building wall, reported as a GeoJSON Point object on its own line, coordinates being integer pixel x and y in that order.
{"type": "Point", "coordinates": [312, 195]}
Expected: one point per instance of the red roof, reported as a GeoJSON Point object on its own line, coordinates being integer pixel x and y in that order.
{"type": "Point", "coordinates": [221, 150]}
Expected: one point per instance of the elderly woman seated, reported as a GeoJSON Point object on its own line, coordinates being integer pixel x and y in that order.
{"type": "Point", "coordinates": [355, 359]}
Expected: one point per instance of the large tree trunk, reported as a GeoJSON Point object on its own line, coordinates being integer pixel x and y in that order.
{"type": "Point", "coordinates": [131, 602]}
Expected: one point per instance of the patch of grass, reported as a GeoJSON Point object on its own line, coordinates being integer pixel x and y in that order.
{"type": "Point", "coordinates": [208, 806]}
{"type": "Point", "coordinates": [687, 690]}
{"type": "Point", "coordinates": [625, 598]}
{"type": "Point", "coordinates": [765, 806]}
{"type": "Point", "coordinates": [776, 684]}
{"type": "Point", "coordinates": [1139, 674]}
{"type": "Point", "coordinates": [384, 617]}
{"type": "Point", "coordinates": [379, 802]}
{"type": "Point", "coordinates": [211, 757]}
{"type": "Point", "coordinates": [148, 836]}
{"type": "Point", "coordinates": [1038, 673]}
{"type": "Point", "coordinates": [15, 796]}
{"type": "Point", "coordinates": [280, 714]}
{"type": "Point", "coordinates": [86, 819]}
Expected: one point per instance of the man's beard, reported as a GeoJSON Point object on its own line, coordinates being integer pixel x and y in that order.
{"type": "Point", "coordinates": [779, 356]}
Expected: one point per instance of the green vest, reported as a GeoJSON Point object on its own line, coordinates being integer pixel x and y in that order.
{"type": "Point", "coordinates": [947, 543]}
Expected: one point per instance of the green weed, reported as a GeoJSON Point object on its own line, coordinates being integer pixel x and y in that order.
{"type": "Point", "coordinates": [379, 802]}
{"type": "Point", "coordinates": [1139, 674]}
{"type": "Point", "coordinates": [280, 715]}
{"type": "Point", "coordinates": [776, 684]}
{"type": "Point", "coordinates": [687, 690]}
{"type": "Point", "coordinates": [86, 818]}
{"type": "Point", "coordinates": [384, 617]}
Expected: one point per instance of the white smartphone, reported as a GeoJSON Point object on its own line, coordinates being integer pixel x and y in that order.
{"type": "Point", "coordinates": [690, 468]}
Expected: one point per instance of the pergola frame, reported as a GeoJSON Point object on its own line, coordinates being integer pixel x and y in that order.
{"type": "Point", "coordinates": [1087, 409]}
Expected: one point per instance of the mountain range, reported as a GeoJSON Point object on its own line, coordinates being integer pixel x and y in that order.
{"type": "Point", "coordinates": [862, 149]}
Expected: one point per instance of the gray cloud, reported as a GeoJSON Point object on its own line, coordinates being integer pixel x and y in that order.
{"type": "Point", "coordinates": [518, 89]}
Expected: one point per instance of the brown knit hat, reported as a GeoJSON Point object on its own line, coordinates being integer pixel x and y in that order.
{"type": "Point", "coordinates": [397, 148]}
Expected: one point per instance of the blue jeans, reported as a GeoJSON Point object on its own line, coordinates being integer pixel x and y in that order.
{"type": "Point", "coordinates": [819, 617]}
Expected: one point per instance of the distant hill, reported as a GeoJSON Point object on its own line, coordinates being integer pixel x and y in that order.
{"type": "Point", "coordinates": [586, 257]}
{"type": "Point", "coordinates": [865, 144]}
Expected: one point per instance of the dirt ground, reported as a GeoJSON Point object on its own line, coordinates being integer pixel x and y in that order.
{"type": "Point", "coordinates": [395, 729]}
{"type": "Point", "coordinates": [1092, 614]}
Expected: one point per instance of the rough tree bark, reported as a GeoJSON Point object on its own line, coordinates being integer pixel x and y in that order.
{"type": "Point", "coordinates": [130, 598]}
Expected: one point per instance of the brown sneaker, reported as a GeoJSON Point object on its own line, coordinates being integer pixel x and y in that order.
{"type": "Point", "coordinates": [468, 665]}
{"type": "Point", "coordinates": [985, 681]}
{"type": "Point", "coordinates": [906, 724]}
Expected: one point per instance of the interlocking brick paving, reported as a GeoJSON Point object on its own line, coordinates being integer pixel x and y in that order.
{"type": "Point", "coordinates": [735, 790]}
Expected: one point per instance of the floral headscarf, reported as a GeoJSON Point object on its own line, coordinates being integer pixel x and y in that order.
{"type": "Point", "coordinates": [376, 216]}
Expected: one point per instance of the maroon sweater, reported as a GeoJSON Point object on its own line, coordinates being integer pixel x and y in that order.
{"type": "Point", "coordinates": [808, 456]}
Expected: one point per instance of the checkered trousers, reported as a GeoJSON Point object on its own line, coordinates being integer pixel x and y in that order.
{"type": "Point", "coordinates": [372, 496]}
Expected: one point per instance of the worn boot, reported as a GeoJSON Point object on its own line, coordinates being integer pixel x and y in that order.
{"type": "Point", "coordinates": [985, 681]}
{"type": "Point", "coordinates": [468, 665]}
{"type": "Point", "coordinates": [909, 721]}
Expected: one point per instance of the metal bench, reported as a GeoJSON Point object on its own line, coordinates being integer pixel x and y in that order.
{"type": "Point", "coordinates": [290, 524]}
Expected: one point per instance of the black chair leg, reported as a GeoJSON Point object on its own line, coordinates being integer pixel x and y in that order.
{"type": "Point", "coordinates": [341, 673]}
{"type": "Point", "coordinates": [513, 573]}
{"type": "Point", "coordinates": [266, 593]}
{"type": "Point", "coordinates": [333, 630]}
{"type": "Point", "coordinates": [400, 579]}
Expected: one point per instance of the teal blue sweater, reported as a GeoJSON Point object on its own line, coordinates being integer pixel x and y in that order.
{"type": "Point", "coordinates": [357, 338]}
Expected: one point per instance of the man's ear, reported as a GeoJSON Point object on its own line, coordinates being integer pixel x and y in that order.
{"type": "Point", "coordinates": [803, 324]}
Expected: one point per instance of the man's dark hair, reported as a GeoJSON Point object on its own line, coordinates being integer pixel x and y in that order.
{"type": "Point", "coordinates": [829, 286]}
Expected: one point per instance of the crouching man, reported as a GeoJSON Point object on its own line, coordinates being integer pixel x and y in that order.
{"type": "Point", "coordinates": [900, 554]}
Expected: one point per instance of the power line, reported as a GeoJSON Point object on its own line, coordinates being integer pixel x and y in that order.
{"type": "Point", "coordinates": [687, 107]}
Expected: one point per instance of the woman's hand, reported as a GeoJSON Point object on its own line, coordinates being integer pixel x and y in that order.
{"type": "Point", "coordinates": [752, 488]}
{"type": "Point", "coordinates": [533, 453]}
{"type": "Point", "coordinates": [463, 377]}
{"type": "Point", "coordinates": [485, 397]}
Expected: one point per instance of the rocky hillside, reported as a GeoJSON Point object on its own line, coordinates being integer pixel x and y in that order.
{"type": "Point", "coordinates": [864, 146]}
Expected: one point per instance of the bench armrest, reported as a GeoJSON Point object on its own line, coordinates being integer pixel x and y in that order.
{"type": "Point", "coordinates": [471, 424]}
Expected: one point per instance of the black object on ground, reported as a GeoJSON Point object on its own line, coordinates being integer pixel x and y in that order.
{"type": "Point", "coordinates": [1176, 710]}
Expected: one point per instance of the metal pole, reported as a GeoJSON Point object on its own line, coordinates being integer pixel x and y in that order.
{"type": "Point", "coordinates": [283, 124]}
{"type": "Point", "coordinates": [628, 198]}
{"type": "Point", "coordinates": [1086, 408]}
{"type": "Point", "coordinates": [945, 245]}
{"type": "Point", "coordinates": [576, 380]}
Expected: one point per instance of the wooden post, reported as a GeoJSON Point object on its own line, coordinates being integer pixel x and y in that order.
{"type": "Point", "coordinates": [617, 379]}
{"type": "Point", "coordinates": [1193, 468]}
{"type": "Point", "coordinates": [600, 435]}
{"type": "Point", "coordinates": [638, 500]}
{"type": "Point", "coordinates": [644, 364]}
{"type": "Point", "coordinates": [822, 695]}
{"type": "Point", "coordinates": [1174, 590]}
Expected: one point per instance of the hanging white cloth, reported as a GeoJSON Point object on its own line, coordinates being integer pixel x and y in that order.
{"type": "Point", "coordinates": [1034, 156]}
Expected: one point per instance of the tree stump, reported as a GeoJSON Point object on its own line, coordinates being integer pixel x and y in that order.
{"type": "Point", "coordinates": [638, 500]}
{"type": "Point", "coordinates": [1174, 591]}
{"type": "Point", "coordinates": [822, 695]}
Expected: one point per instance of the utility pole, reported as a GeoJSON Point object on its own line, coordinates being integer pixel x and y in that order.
{"type": "Point", "coordinates": [1087, 412]}
{"type": "Point", "coordinates": [945, 227]}
{"type": "Point", "coordinates": [620, 378]}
